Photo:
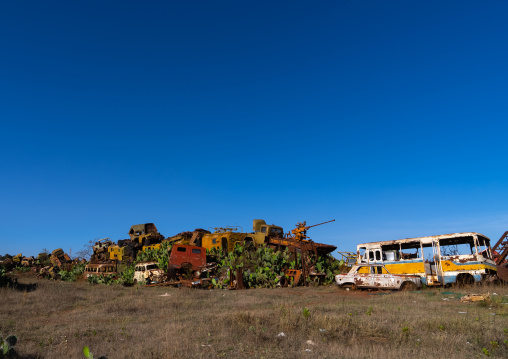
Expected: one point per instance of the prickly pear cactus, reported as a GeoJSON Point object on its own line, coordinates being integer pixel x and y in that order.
{"type": "Point", "coordinates": [7, 346]}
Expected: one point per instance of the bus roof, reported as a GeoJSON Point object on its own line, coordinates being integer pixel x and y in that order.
{"type": "Point", "coordinates": [427, 239]}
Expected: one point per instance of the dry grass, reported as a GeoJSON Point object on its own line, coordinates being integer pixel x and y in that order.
{"type": "Point", "coordinates": [58, 319]}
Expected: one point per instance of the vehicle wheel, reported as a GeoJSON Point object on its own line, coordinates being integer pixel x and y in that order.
{"type": "Point", "coordinates": [464, 280]}
{"type": "Point", "coordinates": [408, 286]}
{"type": "Point", "coordinates": [349, 286]}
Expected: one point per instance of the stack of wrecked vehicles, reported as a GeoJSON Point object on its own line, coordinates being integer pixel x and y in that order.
{"type": "Point", "coordinates": [443, 260]}
{"type": "Point", "coordinates": [45, 265]}
{"type": "Point", "coordinates": [192, 256]}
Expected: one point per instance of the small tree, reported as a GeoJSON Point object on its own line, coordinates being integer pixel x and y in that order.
{"type": "Point", "coordinates": [87, 250]}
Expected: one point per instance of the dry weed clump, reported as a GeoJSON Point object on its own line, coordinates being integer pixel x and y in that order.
{"type": "Point", "coordinates": [58, 319]}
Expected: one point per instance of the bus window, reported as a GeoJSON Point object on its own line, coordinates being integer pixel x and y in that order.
{"type": "Point", "coordinates": [457, 246]}
{"type": "Point", "coordinates": [411, 251]}
{"type": "Point", "coordinates": [391, 255]}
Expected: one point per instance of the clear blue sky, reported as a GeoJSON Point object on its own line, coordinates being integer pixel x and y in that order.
{"type": "Point", "coordinates": [388, 116]}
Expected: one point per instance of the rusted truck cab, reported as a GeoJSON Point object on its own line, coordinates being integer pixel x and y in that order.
{"type": "Point", "coordinates": [188, 264]}
{"type": "Point", "coordinates": [187, 256]}
{"type": "Point", "coordinates": [376, 276]}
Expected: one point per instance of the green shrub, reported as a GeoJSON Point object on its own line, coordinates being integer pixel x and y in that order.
{"type": "Point", "coordinates": [7, 346]}
{"type": "Point", "coordinates": [127, 276]}
{"type": "Point", "coordinates": [102, 279]}
{"type": "Point", "coordinates": [73, 274]}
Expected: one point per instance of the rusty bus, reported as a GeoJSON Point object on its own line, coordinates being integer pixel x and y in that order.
{"type": "Point", "coordinates": [457, 258]}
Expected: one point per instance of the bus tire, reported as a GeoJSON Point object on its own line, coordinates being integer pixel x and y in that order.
{"type": "Point", "coordinates": [464, 279]}
{"type": "Point", "coordinates": [408, 286]}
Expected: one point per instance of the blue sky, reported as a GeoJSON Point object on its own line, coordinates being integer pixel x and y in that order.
{"type": "Point", "coordinates": [388, 116]}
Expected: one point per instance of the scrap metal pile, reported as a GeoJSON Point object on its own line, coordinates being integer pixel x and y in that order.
{"type": "Point", "coordinates": [227, 257]}
{"type": "Point", "coordinates": [222, 258]}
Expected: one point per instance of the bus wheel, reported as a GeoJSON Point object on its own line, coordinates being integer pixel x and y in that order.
{"type": "Point", "coordinates": [408, 286]}
{"type": "Point", "coordinates": [464, 280]}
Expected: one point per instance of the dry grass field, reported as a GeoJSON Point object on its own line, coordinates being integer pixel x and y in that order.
{"type": "Point", "coordinates": [58, 319]}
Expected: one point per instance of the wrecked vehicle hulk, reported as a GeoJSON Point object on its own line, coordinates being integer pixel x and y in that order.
{"type": "Point", "coordinates": [148, 272]}
{"type": "Point", "coordinates": [376, 276]}
{"type": "Point", "coordinates": [447, 259]}
{"type": "Point", "coordinates": [98, 269]}
{"type": "Point", "coordinates": [140, 235]}
{"type": "Point", "coordinates": [188, 266]}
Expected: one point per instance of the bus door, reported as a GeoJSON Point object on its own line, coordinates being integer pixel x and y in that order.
{"type": "Point", "coordinates": [436, 250]}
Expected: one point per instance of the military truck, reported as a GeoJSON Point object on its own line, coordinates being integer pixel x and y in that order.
{"type": "Point", "coordinates": [27, 261]}
{"type": "Point", "coordinates": [140, 235]}
{"type": "Point", "coordinates": [100, 250]}
{"type": "Point", "coordinates": [17, 259]}
{"type": "Point", "coordinates": [189, 266]}
{"type": "Point", "coordinates": [145, 234]}
{"type": "Point", "coordinates": [263, 234]}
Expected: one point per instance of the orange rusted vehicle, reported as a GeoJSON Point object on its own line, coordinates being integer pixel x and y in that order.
{"type": "Point", "coordinates": [188, 265]}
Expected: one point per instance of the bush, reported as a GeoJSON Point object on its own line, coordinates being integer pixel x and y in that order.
{"type": "Point", "coordinates": [127, 276]}
{"type": "Point", "coordinates": [73, 274]}
{"type": "Point", "coordinates": [7, 346]}
{"type": "Point", "coordinates": [264, 267]}
{"type": "Point", "coordinates": [102, 279]}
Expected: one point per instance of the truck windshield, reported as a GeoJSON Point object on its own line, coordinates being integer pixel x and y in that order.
{"type": "Point", "coordinates": [276, 231]}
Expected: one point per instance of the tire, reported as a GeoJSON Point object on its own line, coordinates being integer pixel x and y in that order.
{"type": "Point", "coordinates": [464, 280]}
{"type": "Point", "coordinates": [408, 286]}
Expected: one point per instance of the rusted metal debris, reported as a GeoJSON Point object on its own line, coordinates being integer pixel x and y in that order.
{"type": "Point", "coordinates": [474, 297]}
{"type": "Point", "coordinates": [292, 277]}
{"type": "Point", "coordinates": [60, 259]}
{"type": "Point", "coordinates": [500, 254]}
{"type": "Point", "coordinates": [236, 278]}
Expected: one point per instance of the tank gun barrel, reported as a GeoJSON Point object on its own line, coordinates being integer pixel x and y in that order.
{"type": "Point", "coordinates": [333, 220]}
{"type": "Point", "coordinates": [300, 232]}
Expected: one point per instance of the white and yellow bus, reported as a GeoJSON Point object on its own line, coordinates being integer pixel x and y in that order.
{"type": "Point", "coordinates": [462, 258]}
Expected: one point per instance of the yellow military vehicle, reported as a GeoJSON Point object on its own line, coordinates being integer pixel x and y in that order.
{"type": "Point", "coordinates": [17, 259]}
{"type": "Point", "coordinates": [145, 234]}
{"type": "Point", "coordinates": [227, 237]}
{"type": "Point", "coordinates": [140, 236]}
{"type": "Point", "coordinates": [27, 261]}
